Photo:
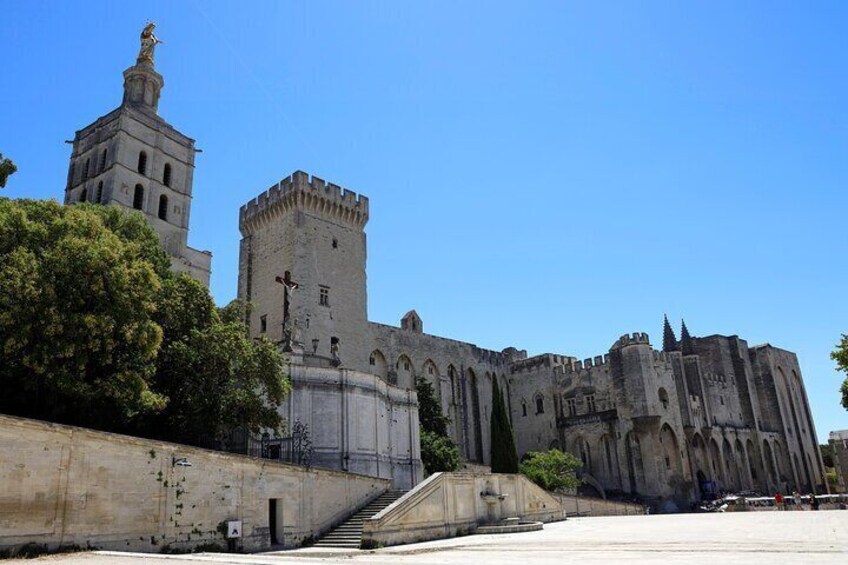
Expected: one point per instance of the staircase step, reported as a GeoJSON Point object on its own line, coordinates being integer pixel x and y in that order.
{"type": "Point", "coordinates": [348, 534]}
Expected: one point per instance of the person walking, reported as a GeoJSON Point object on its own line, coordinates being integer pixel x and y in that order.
{"type": "Point", "coordinates": [778, 501]}
{"type": "Point", "coordinates": [797, 497]}
{"type": "Point", "coordinates": [814, 502]}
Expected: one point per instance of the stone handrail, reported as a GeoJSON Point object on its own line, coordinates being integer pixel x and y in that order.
{"type": "Point", "coordinates": [450, 504]}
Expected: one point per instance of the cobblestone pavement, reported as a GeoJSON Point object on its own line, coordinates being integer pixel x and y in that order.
{"type": "Point", "coordinates": [749, 538]}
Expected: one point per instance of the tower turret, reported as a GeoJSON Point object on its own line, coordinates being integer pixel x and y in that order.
{"type": "Point", "coordinates": [133, 158]}
{"type": "Point", "coordinates": [669, 339]}
{"type": "Point", "coordinates": [685, 339]}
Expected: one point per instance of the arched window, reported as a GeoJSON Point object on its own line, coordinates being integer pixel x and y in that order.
{"type": "Point", "coordinates": [166, 175]}
{"type": "Point", "coordinates": [663, 398]}
{"type": "Point", "coordinates": [138, 197]}
{"type": "Point", "coordinates": [85, 169]}
{"type": "Point", "coordinates": [163, 207]}
{"type": "Point", "coordinates": [83, 195]}
{"type": "Point", "coordinates": [142, 163]}
{"type": "Point", "coordinates": [102, 161]}
{"type": "Point", "coordinates": [99, 199]}
{"type": "Point", "coordinates": [540, 404]}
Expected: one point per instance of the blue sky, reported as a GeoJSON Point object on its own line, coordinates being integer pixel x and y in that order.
{"type": "Point", "coordinates": [542, 175]}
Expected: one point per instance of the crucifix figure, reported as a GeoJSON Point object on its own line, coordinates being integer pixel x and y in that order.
{"type": "Point", "coordinates": [289, 330]}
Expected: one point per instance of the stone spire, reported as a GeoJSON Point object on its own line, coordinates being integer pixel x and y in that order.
{"type": "Point", "coordinates": [669, 339]}
{"type": "Point", "coordinates": [685, 339]}
{"type": "Point", "coordinates": [142, 84]}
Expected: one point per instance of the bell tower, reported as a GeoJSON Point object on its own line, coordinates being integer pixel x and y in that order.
{"type": "Point", "coordinates": [133, 158]}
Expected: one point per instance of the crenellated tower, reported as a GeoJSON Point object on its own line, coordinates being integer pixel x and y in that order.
{"type": "Point", "coordinates": [311, 234]}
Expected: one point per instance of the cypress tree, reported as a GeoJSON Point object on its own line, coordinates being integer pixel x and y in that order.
{"type": "Point", "coordinates": [503, 456]}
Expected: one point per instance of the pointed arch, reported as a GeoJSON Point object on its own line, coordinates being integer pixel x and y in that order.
{"type": "Point", "coordinates": [99, 198]}
{"type": "Point", "coordinates": [672, 461]}
{"type": "Point", "coordinates": [379, 366]}
{"type": "Point", "coordinates": [405, 372]}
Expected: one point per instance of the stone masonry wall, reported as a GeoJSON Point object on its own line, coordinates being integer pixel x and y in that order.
{"type": "Point", "coordinates": [73, 486]}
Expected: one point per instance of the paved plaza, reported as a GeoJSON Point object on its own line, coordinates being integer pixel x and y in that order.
{"type": "Point", "coordinates": [750, 538]}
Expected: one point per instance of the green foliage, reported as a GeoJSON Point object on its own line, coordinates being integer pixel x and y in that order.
{"type": "Point", "coordinates": [840, 355]}
{"type": "Point", "coordinates": [7, 168]}
{"type": "Point", "coordinates": [438, 453]}
{"type": "Point", "coordinates": [503, 456]}
{"type": "Point", "coordinates": [215, 377]}
{"type": "Point", "coordinates": [77, 338]}
{"type": "Point", "coordinates": [96, 331]}
{"type": "Point", "coordinates": [429, 410]}
{"type": "Point", "coordinates": [827, 454]}
{"type": "Point", "coordinates": [552, 470]}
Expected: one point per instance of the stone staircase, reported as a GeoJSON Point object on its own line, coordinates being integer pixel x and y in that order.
{"type": "Point", "coordinates": [348, 534]}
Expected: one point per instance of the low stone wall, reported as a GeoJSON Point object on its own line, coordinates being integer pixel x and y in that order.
{"type": "Point", "coordinates": [585, 506]}
{"type": "Point", "coordinates": [450, 504]}
{"type": "Point", "coordinates": [61, 486]}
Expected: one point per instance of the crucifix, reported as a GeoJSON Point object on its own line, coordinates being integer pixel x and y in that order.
{"type": "Point", "coordinates": [289, 287]}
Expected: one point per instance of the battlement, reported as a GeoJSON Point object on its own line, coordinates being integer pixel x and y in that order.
{"type": "Point", "coordinates": [635, 339]}
{"type": "Point", "coordinates": [663, 355]}
{"type": "Point", "coordinates": [300, 191]}
{"type": "Point", "coordinates": [579, 366]}
{"type": "Point", "coordinates": [546, 360]}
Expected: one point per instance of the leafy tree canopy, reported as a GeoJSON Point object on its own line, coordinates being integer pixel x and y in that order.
{"type": "Point", "coordinates": [840, 355]}
{"type": "Point", "coordinates": [552, 470]}
{"type": "Point", "coordinates": [827, 454]}
{"type": "Point", "coordinates": [215, 377]}
{"type": "Point", "coordinates": [429, 410]}
{"type": "Point", "coordinates": [438, 451]}
{"type": "Point", "coordinates": [78, 289]}
{"type": "Point", "coordinates": [96, 331]}
{"type": "Point", "coordinates": [7, 168]}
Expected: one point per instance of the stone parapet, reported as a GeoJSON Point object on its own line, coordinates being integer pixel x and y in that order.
{"type": "Point", "coordinates": [300, 191]}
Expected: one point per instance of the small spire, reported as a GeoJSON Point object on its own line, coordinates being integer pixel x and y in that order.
{"type": "Point", "coordinates": [685, 339]}
{"type": "Point", "coordinates": [669, 339]}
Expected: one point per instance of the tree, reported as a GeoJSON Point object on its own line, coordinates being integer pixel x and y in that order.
{"type": "Point", "coordinates": [214, 376]}
{"type": "Point", "coordinates": [552, 470]}
{"type": "Point", "coordinates": [827, 454]}
{"type": "Point", "coordinates": [438, 451]}
{"type": "Point", "coordinates": [503, 456]}
{"type": "Point", "coordinates": [96, 331]}
{"type": "Point", "coordinates": [7, 169]}
{"type": "Point", "coordinates": [840, 355]}
{"type": "Point", "coordinates": [429, 410]}
{"type": "Point", "coordinates": [78, 289]}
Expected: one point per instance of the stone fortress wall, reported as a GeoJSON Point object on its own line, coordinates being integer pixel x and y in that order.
{"type": "Point", "coordinates": [663, 424]}
{"type": "Point", "coordinates": [666, 426]}
{"type": "Point", "coordinates": [67, 486]}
